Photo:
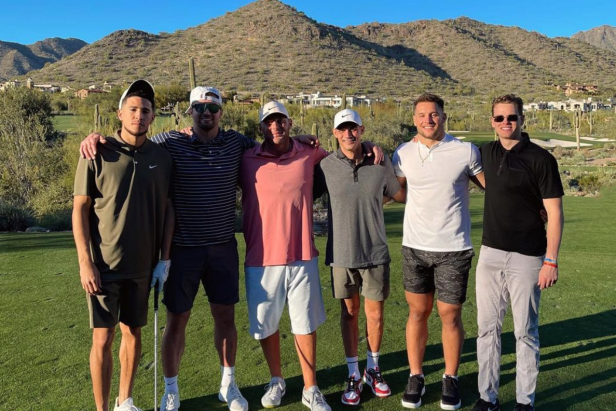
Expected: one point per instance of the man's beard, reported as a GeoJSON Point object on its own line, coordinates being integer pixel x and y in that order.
{"type": "Point", "coordinates": [136, 134]}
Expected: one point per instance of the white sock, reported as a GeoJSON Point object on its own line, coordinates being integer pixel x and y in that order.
{"type": "Point", "coordinates": [352, 363]}
{"type": "Point", "coordinates": [228, 375]}
{"type": "Point", "coordinates": [421, 375]}
{"type": "Point", "coordinates": [171, 384]}
{"type": "Point", "coordinates": [455, 377]}
{"type": "Point", "coordinates": [373, 360]}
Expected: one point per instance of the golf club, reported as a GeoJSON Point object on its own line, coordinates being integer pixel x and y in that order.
{"type": "Point", "coordinates": [155, 345]}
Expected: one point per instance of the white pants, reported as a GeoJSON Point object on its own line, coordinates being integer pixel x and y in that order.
{"type": "Point", "coordinates": [269, 288]}
{"type": "Point", "coordinates": [504, 277]}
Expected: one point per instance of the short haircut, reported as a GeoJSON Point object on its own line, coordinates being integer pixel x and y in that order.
{"type": "Point", "coordinates": [138, 93]}
{"type": "Point", "coordinates": [430, 98]}
{"type": "Point", "coordinates": [509, 99]}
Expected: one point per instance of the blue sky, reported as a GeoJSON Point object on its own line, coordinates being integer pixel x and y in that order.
{"type": "Point", "coordinates": [91, 20]}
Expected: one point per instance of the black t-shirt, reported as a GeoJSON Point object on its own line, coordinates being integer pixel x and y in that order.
{"type": "Point", "coordinates": [517, 181]}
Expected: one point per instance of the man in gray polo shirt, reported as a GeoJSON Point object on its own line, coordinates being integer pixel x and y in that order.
{"type": "Point", "coordinates": [119, 209]}
{"type": "Point", "coordinates": [357, 246]}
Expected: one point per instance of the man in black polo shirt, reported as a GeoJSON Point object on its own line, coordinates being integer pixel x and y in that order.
{"type": "Point", "coordinates": [118, 217]}
{"type": "Point", "coordinates": [518, 258]}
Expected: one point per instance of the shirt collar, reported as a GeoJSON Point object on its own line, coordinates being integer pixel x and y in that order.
{"type": "Point", "coordinates": [295, 148]}
{"type": "Point", "coordinates": [118, 142]}
{"type": "Point", "coordinates": [219, 139]}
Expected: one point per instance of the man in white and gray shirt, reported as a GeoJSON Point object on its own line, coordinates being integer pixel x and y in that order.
{"type": "Point", "coordinates": [437, 252]}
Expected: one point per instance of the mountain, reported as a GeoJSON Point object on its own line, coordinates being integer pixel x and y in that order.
{"type": "Point", "coordinates": [269, 46]}
{"type": "Point", "coordinates": [17, 59]}
{"type": "Point", "coordinates": [603, 37]}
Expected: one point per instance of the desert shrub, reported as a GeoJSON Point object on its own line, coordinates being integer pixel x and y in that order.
{"type": "Point", "coordinates": [13, 217]}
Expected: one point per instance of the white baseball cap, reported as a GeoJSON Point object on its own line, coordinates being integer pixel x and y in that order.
{"type": "Point", "coordinates": [347, 116]}
{"type": "Point", "coordinates": [204, 95]}
{"type": "Point", "coordinates": [270, 108]}
{"type": "Point", "coordinates": [139, 85]}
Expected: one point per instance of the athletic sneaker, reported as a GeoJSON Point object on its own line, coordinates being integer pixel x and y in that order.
{"type": "Point", "coordinates": [170, 401]}
{"type": "Point", "coordinates": [415, 388]}
{"type": "Point", "coordinates": [523, 407]}
{"type": "Point", "coordinates": [313, 399]}
{"type": "Point", "coordinates": [233, 397]}
{"type": "Point", "coordinates": [274, 391]}
{"type": "Point", "coordinates": [127, 405]}
{"type": "Point", "coordinates": [351, 395]}
{"type": "Point", "coordinates": [450, 398]}
{"type": "Point", "coordinates": [482, 405]}
{"type": "Point", "coordinates": [375, 380]}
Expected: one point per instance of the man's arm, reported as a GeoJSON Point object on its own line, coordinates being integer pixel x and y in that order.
{"type": "Point", "coordinates": [87, 148]}
{"type": "Point", "coordinates": [90, 277]}
{"type": "Point", "coordinates": [169, 227]}
{"type": "Point", "coordinates": [400, 196]}
{"type": "Point", "coordinates": [479, 180]}
{"type": "Point", "coordinates": [549, 272]}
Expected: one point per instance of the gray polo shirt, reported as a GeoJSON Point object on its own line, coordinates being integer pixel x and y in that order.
{"type": "Point", "coordinates": [356, 226]}
{"type": "Point", "coordinates": [129, 188]}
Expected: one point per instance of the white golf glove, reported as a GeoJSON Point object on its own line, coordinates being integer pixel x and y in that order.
{"type": "Point", "coordinates": [161, 272]}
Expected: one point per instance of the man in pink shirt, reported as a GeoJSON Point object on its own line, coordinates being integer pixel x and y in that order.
{"type": "Point", "coordinates": [281, 260]}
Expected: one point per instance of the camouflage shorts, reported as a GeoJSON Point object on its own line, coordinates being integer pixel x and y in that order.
{"type": "Point", "coordinates": [446, 272]}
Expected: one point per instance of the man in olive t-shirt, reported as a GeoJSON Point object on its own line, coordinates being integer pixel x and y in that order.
{"type": "Point", "coordinates": [118, 217]}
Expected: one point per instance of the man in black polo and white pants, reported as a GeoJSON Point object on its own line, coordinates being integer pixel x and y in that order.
{"type": "Point", "coordinates": [518, 257]}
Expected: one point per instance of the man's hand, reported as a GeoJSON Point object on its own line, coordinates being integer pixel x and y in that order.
{"type": "Point", "coordinates": [187, 130]}
{"type": "Point", "coordinates": [161, 272]}
{"type": "Point", "coordinates": [87, 148]}
{"type": "Point", "coordinates": [90, 278]}
{"type": "Point", "coordinates": [308, 139]}
{"type": "Point", "coordinates": [373, 150]}
{"type": "Point", "coordinates": [547, 276]}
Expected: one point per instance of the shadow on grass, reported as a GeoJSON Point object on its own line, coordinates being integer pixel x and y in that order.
{"type": "Point", "coordinates": [596, 326]}
{"type": "Point", "coordinates": [16, 242]}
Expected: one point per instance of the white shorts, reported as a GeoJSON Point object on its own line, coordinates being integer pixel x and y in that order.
{"type": "Point", "coordinates": [268, 288]}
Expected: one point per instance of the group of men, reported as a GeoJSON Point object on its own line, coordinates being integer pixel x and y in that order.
{"type": "Point", "coordinates": [162, 211]}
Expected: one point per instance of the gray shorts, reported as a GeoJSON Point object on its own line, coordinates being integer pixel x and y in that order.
{"type": "Point", "coordinates": [373, 282]}
{"type": "Point", "coordinates": [215, 266]}
{"type": "Point", "coordinates": [446, 272]}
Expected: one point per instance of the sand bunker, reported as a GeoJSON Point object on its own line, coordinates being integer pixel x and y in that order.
{"type": "Point", "coordinates": [598, 140]}
{"type": "Point", "coordinates": [561, 143]}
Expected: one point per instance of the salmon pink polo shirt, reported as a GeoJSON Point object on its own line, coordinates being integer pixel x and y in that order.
{"type": "Point", "coordinates": [277, 205]}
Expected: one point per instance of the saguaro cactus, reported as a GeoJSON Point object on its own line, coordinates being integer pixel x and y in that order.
{"type": "Point", "coordinates": [191, 72]}
{"type": "Point", "coordinates": [96, 117]}
{"type": "Point", "coordinates": [590, 120]}
{"type": "Point", "coordinates": [576, 124]}
{"type": "Point", "coordinates": [343, 104]}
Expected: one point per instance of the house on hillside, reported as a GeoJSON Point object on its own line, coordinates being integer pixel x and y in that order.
{"type": "Point", "coordinates": [571, 88]}
{"type": "Point", "coordinates": [84, 93]}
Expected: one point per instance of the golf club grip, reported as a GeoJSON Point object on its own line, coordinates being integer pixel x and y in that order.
{"type": "Point", "coordinates": [156, 292]}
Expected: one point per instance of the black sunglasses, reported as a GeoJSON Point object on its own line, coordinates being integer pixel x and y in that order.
{"type": "Point", "coordinates": [201, 107]}
{"type": "Point", "coordinates": [511, 117]}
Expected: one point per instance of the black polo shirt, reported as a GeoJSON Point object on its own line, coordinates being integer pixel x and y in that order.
{"type": "Point", "coordinates": [517, 181]}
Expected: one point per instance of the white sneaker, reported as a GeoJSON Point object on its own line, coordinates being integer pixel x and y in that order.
{"type": "Point", "coordinates": [233, 397]}
{"type": "Point", "coordinates": [170, 401]}
{"type": "Point", "coordinates": [274, 391]}
{"type": "Point", "coordinates": [314, 399]}
{"type": "Point", "coordinates": [127, 405]}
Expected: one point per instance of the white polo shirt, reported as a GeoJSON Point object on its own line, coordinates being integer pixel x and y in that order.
{"type": "Point", "coordinates": [437, 217]}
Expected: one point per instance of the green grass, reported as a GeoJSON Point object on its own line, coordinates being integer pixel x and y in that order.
{"type": "Point", "coordinates": [65, 122]}
{"type": "Point", "coordinates": [46, 339]}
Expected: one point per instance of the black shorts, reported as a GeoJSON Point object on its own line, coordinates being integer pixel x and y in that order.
{"type": "Point", "coordinates": [125, 301]}
{"type": "Point", "coordinates": [446, 272]}
{"type": "Point", "coordinates": [215, 266]}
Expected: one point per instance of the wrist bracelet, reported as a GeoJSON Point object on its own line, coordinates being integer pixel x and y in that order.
{"type": "Point", "coordinates": [550, 264]}
{"type": "Point", "coordinates": [550, 260]}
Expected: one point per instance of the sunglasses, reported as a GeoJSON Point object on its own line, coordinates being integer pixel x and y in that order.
{"type": "Point", "coordinates": [511, 117]}
{"type": "Point", "coordinates": [201, 107]}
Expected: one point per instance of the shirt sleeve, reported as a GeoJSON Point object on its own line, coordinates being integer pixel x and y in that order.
{"type": "Point", "coordinates": [392, 186]}
{"type": "Point", "coordinates": [397, 163]}
{"type": "Point", "coordinates": [320, 154]}
{"type": "Point", "coordinates": [161, 140]}
{"type": "Point", "coordinates": [247, 142]}
{"type": "Point", "coordinates": [548, 178]}
{"type": "Point", "coordinates": [85, 184]}
{"type": "Point", "coordinates": [320, 185]}
{"type": "Point", "coordinates": [474, 165]}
